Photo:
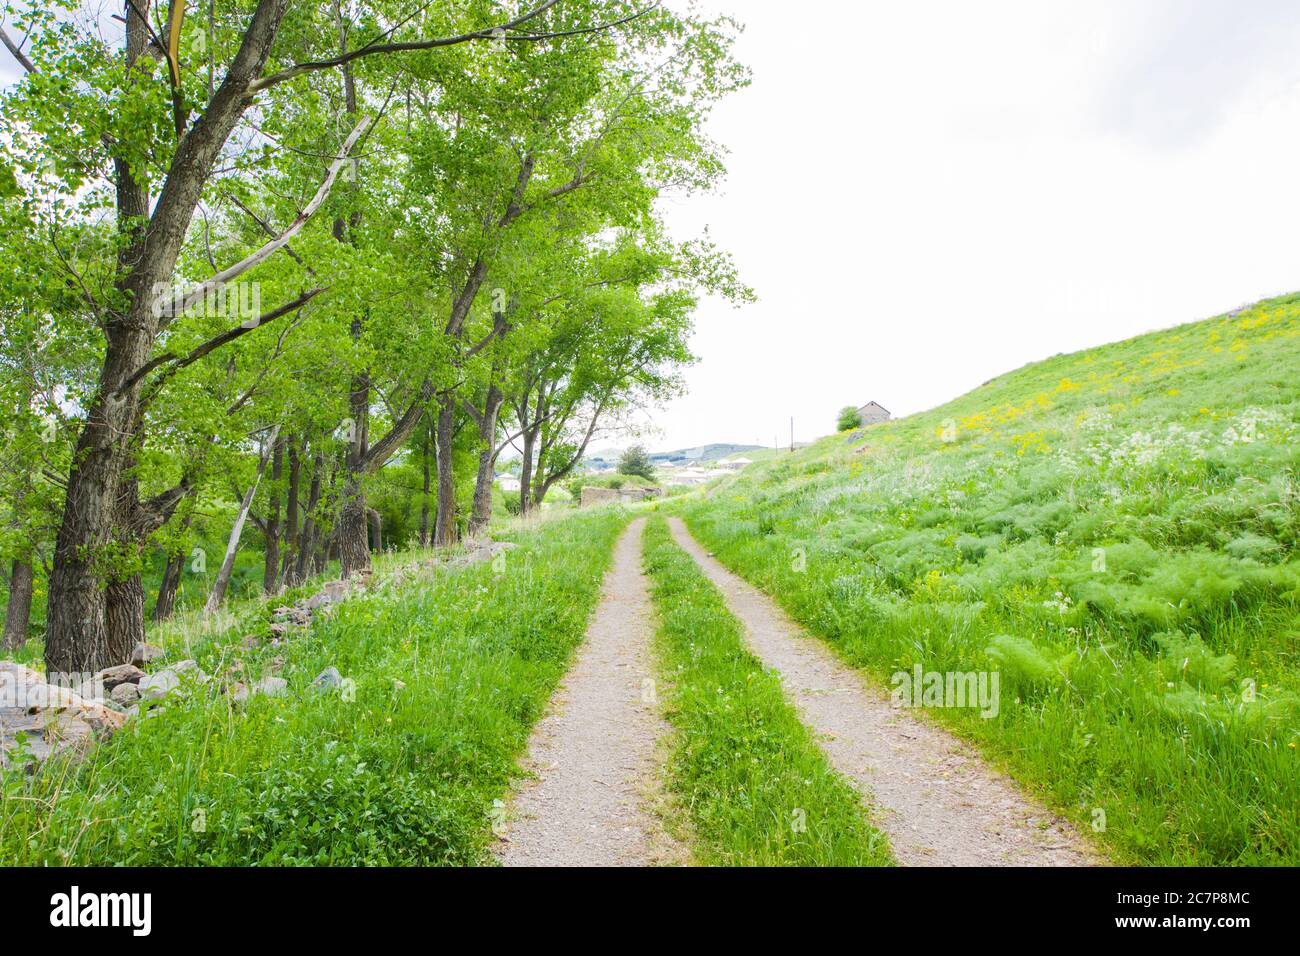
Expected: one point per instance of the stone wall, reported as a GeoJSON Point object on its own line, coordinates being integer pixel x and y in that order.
{"type": "Point", "coordinates": [599, 496]}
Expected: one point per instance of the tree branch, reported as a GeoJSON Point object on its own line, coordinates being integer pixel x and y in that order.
{"type": "Point", "coordinates": [157, 511]}
{"type": "Point", "coordinates": [575, 183]}
{"type": "Point", "coordinates": [371, 49]}
{"type": "Point", "coordinates": [379, 453]}
{"type": "Point", "coordinates": [19, 55]}
{"type": "Point", "coordinates": [266, 228]}
{"type": "Point", "coordinates": [500, 326]}
{"type": "Point", "coordinates": [177, 363]}
{"type": "Point", "coordinates": [473, 412]}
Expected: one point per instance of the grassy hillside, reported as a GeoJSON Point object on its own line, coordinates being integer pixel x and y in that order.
{"type": "Point", "coordinates": [1114, 533]}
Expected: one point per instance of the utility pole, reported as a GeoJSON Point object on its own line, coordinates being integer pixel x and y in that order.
{"type": "Point", "coordinates": [792, 434]}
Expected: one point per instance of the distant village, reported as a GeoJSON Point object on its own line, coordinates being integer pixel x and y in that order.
{"type": "Point", "coordinates": [688, 466]}
{"type": "Point", "coordinates": [683, 468]}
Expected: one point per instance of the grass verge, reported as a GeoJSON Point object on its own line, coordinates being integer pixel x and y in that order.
{"type": "Point", "coordinates": [744, 770]}
{"type": "Point", "coordinates": [381, 775]}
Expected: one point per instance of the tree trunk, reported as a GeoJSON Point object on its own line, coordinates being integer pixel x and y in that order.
{"type": "Point", "coordinates": [171, 582]}
{"type": "Point", "coordinates": [376, 529]}
{"type": "Point", "coordinates": [354, 551]}
{"type": "Point", "coordinates": [291, 528]}
{"type": "Point", "coordinates": [445, 526]}
{"type": "Point", "coordinates": [124, 613]}
{"type": "Point", "coordinates": [124, 596]}
{"type": "Point", "coordinates": [77, 634]}
{"type": "Point", "coordinates": [77, 638]}
{"type": "Point", "coordinates": [481, 514]}
{"type": "Point", "coordinates": [310, 529]}
{"type": "Point", "coordinates": [306, 548]}
{"type": "Point", "coordinates": [19, 613]}
{"type": "Point", "coordinates": [526, 472]}
{"type": "Point", "coordinates": [232, 548]}
{"type": "Point", "coordinates": [271, 564]}
{"type": "Point", "coordinates": [352, 533]}
{"type": "Point", "coordinates": [425, 447]}
{"type": "Point", "coordinates": [165, 606]}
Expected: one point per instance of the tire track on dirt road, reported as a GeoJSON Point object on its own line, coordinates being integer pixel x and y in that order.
{"type": "Point", "coordinates": [938, 802]}
{"type": "Point", "coordinates": [593, 756]}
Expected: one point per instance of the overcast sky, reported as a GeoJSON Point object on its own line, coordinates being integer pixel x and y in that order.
{"type": "Point", "coordinates": [927, 194]}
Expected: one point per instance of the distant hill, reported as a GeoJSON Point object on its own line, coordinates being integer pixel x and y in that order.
{"type": "Point", "coordinates": [714, 452]}
{"type": "Point", "coordinates": [700, 453]}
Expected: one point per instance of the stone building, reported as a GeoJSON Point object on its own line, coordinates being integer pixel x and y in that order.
{"type": "Point", "coordinates": [873, 412]}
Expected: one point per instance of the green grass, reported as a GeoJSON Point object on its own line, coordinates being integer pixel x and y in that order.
{"type": "Point", "coordinates": [245, 581]}
{"type": "Point", "coordinates": [1115, 532]}
{"type": "Point", "coordinates": [395, 776]}
{"type": "Point", "coordinates": [750, 778]}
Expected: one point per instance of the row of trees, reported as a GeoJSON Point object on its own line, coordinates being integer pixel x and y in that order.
{"type": "Point", "coordinates": [259, 253]}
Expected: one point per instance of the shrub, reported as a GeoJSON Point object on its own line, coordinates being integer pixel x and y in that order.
{"type": "Point", "coordinates": [848, 418]}
{"type": "Point", "coordinates": [1253, 547]}
{"type": "Point", "coordinates": [635, 461]}
{"type": "Point", "coordinates": [1023, 664]}
{"type": "Point", "coordinates": [1185, 658]}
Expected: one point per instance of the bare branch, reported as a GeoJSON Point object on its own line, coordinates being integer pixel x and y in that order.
{"type": "Point", "coordinates": [183, 303]}
{"type": "Point", "coordinates": [19, 55]}
{"type": "Point", "coordinates": [266, 228]}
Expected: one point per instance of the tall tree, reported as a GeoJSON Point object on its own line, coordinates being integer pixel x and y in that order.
{"type": "Point", "coordinates": [156, 120]}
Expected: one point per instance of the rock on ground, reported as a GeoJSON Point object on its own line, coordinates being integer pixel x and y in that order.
{"type": "Point", "coordinates": [125, 694]}
{"type": "Point", "coordinates": [327, 679]}
{"type": "Point", "coordinates": [144, 653]}
{"type": "Point", "coordinates": [172, 680]}
{"type": "Point", "coordinates": [53, 719]}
